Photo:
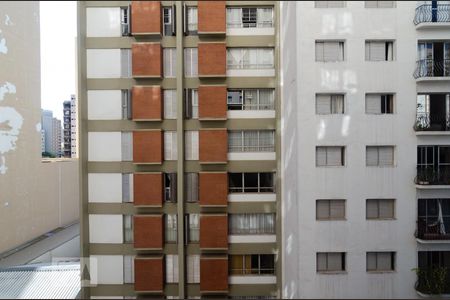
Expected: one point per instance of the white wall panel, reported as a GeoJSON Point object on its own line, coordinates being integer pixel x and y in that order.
{"type": "Point", "coordinates": [104, 104]}
{"type": "Point", "coordinates": [103, 22]}
{"type": "Point", "coordinates": [105, 187]}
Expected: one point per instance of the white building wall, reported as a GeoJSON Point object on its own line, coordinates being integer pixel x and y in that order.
{"type": "Point", "coordinates": [303, 182]}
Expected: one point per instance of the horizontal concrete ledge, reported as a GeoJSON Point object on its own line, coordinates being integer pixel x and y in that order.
{"type": "Point", "coordinates": [433, 133]}
{"type": "Point", "coordinates": [432, 187]}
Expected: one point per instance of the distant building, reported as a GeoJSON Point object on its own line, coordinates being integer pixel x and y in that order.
{"type": "Point", "coordinates": [70, 127]}
{"type": "Point", "coordinates": [52, 133]}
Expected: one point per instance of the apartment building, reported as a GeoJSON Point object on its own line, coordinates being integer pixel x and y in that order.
{"type": "Point", "coordinates": [179, 148]}
{"type": "Point", "coordinates": [70, 127]}
{"type": "Point", "coordinates": [365, 91]}
{"type": "Point", "coordinates": [52, 133]}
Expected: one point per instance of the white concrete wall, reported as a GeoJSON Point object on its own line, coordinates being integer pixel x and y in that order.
{"type": "Point", "coordinates": [103, 63]}
{"type": "Point", "coordinates": [106, 229]}
{"type": "Point", "coordinates": [303, 182]}
{"type": "Point", "coordinates": [104, 104]}
{"type": "Point", "coordinates": [103, 22]}
{"type": "Point", "coordinates": [105, 146]}
{"type": "Point", "coordinates": [106, 269]}
{"type": "Point", "coordinates": [105, 187]}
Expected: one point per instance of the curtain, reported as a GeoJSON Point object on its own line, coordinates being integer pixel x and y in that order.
{"type": "Point", "coordinates": [128, 228]}
{"type": "Point", "coordinates": [250, 99]}
{"type": "Point", "coordinates": [127, 187]}
{"type": "Point", "coordinates": [323, 106]}
{"type": "Point", "coordinates": [337, 209]}
{"type": "Point", "coordinates": [386, 208]}
{"type": "Point", "coordinates": [319, 49]}
{"type": "Point", "coordinates": [251, 141]}
{"type": "Point", "coordinates": [321, 156]}
{"type": "Point", "coordinates": [171, 228]}
{"type": "Point", "coordinates": [266, 141]}
{"type": "Point", "coordinates": [264, 17]}
{"type": "Point", "coordinates": [194, 103]}
{"type": "Point", "coordinates": [372, 209]}
{"type": "Point", "coordinates": [171, 268]}
{"type": "Point", "coordinates": [234, 17]}
{"type": "Point", "coordinates": [191, 187]}
{"type": "Point", "coordinates": [127, 146]}
{"type": "Point", "coordinates": [193, 269]}
{"type": "Point", "coordinates": [334, 156]}
{"type": "Point", "coordinates": [337, 104]}
{"type": "Point", "coordinates": [371, 156]}
{"type": "Point", "coordinates": [376, 51]}
{"type": "Point", "coordinates": [235, 141]}
{"type": "Point", "coordinates": [170, 145]}
{"type": "Point", "coordinates": [385, 156]}
{"type": "Point", "coordinates": [191, 145]}
{"type": "Point", "coordinates": [194, 228]}
{"type": "Point", "coordinates": [257, 223]}
{"type": "Point", "coordinates": [266, 99]}
{"type": "Point", "coordinates": [192, 19]}
{"type": "Point", "coordinates": [333, 51]}
{"type": "Point", "coordinates": [235, 58]}
{"type": "Point", "coordinates": [170, 104]}
{"type": "Point", "coordinates": [373, 104]}
{"type": "Point", "coordinates": [125, 64]}
{"type": "Point", "coordinates": [128, 269]}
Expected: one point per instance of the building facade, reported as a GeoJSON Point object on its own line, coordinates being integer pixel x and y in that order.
{"type": "Point", "coordinates": [365, 93]}
{"type": "Point", "coordinates": [52, 133]}
{"type": "Point", "coordinates": [179, 148]}
{"type": "Point", "coordinates": [70, 127]}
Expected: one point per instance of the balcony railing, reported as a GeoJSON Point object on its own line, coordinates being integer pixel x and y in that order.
{"type": "Point", "coordinates": [429, 122]}
{"type": "Point", "coordinates": [430, 230]}
{"type": "Point", "coordinates": [433, 280]}
{"type": "Point", "coordinates": [427, 14]}
{"type": "Point", "coordinates": [432, 68]}
{"type": "Point", "coordinates": [428, 175]}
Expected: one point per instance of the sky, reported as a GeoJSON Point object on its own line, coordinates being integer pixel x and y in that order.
{"type": "Point", "coordinates": [58, 53]}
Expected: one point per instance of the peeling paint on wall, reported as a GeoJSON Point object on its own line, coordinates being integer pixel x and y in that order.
{"type": "Point", "coordinates": [7, 88]}
{"type": "Point", "coordinates": [10, 124]}
{"type": "Point", "coordinates": [8, 21]}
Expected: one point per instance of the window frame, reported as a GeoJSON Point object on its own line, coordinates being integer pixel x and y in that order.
{"type": "Point", "coordinates": [343, 55]}
{"type": "Point", "coordinates": [330, 218]}
{"type": "Point", "coordinates": [235, 190]}
{"type": "Point", "coordinates": [170, 54]}
{"type": "Point", "coordinates": [242, 106]}
{"type": "Point", "coordinates": [378, 148]}
{"type": "Point", "coordinates": [327, 270]}
{"type": "Point", "coordinates": [331, 97]}
{"type": "Point", "coordinates": [244, 63]}
{"type": "Point", "coordinates": [170, 230]}
{"type": "Point", "coordinates": [377, 269]}
{"type": "Point", "coordinates": [343, 158]}
{"type": "Point", "coordinates": [251, 271]}
{"type": "Point", "coordinates": [257, 22]}
{"type": "Point", "coordinates": [387, 44]}
{"type": "Point", "coordinates": [378, 217]}
{"type": "Point", "coordinates": [245, 148]}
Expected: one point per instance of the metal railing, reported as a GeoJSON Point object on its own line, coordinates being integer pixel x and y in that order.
{"type": "Point", "coordinates": [249, 271]}
{"type": "Point", "coordinates": [427, 14]}
{"type": "Point", "coordinates": [432, 68]}
{"type": "Point", "coordinates": [433, 280]}
{"type": "Point", "coordinates": [247, 106]}
{"type": "Point", "coordinates": [430, 231]}
{"type": "Point", "coordinates": [430, 122]}
{"type": "Point", "coordinates": [428, 175]}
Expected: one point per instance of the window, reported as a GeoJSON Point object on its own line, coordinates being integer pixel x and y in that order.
{"type": "Point", "coordinates": [193, 269]}
{"type": "Point", "coordinates": [380, 261]}
{"type": "Point", "coordinates": [249, 17]}
{"type": "Point", "coordinates": [329, 4]}
{"type": "Point", "coordinates": [127, 188]}
{"type": "Point", "coordinates": [191, 187]}
{"type": "Point", "coordinates": [379, 51]}
{"type": "Point", "coordinates": [125, 63]}
{"type": "Point", "coordinates": [257, 223]}
{"type": "Point", "coordinates": [329, 51]}
{"type": "Point", "coordinates": [330, 209]}
{"type": "Point", "coordinates": [191, 145]}
{"type": "Point", "coordinates": [329, 156]}
{"type": "Point", "coordinates": [190, 62]}
{"type": "Point", "coordinates": [377, 156]}
{"type": "Point", "coordinates": [379, 4]}
{"type": "Point", "coordinates": [254, 264]}
{"type": "Point", "coordinates": [192, 20]}
{"type": "Point", "coordinates": [251, 99]}
{"type": "Point", "coordinates": [171, 268]}
{"type": "Point", "coordinates": [379, 103]}
{"type": "Point", "coordinates": [170, 187]}
{"type": "Point", "coordinates": [170, 62]}
{"type": "Point", "coordinates": [330, 262]}
{"type": "Point", "coordinates": [125, 20]}
{"type": "Point", "coordinates": [128, 269]}
{"type": "Point", "coordinates": [327, 104]}
{"type": "Point", "coordinates": [126, 104]}
{"type": "Point", "coordinates": [433, 218]}
{"type": "Point", "coordinates": [380, 209]}
{"type": "Point", "coordinates": [127, 146]}
{"type": "Point", "coordinates": [170, 104]}
{"type": "Point", "coordinates": [170, 145]}
{"type": "Point", "coordinates": [251, 182]}
{"type": "Point", "coordinates": [250, 58]}
{"type": "Point", "coordinates": [168, 21]}
{"type": "Point", "coordinates": [171, 228]}
{"type": "Point", "coordinates": [191, 104]}
{"type": "Point", "coordinates": [128, 228]}
{"type": "Point", "coordinates": [251, 141]}
{"type": "Point", "coordinates": [194, 228]}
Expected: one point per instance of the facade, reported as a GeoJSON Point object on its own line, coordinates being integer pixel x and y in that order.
{"type": "Point", "coordinates": [179, 148]}
{"type": "Point", "coordinates": [70, 127]}
{"type": "Point", "coordinates": [365, 93]}
{"type": "Point", "coordinates": [52, 133]}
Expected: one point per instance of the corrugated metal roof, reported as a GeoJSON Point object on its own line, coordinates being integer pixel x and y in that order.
{"type": "Point", "coordinates": [40, 282]}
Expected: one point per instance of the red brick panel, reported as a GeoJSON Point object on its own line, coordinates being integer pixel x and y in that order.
{"type": "Point", "coordinates": [211, 17]}
{"type": "Point", "coordinates": [146, 17]}
{"type": "Point", "coordinates": [148, 231]}
{"type": "Point", "coordinates": [213, 232]}
{"type": "Point", "coordinates": [146, 59]}
{"type": "Point", "coordinates": [213, 146]}
{"type": "Point", "coordinates": [149, 274]}
{"type": "Point", "coordinates": [147, 103]}
{"type": "Point", "coordinates": [148, 147]}
{"type": "Point", "coordinates": [212, 102]}
{"type": "Point", "coordinates": [213, 275]}
{"type": "Point", "coordinates": [212, 59]}
{"type": "Point", "coordinates": [148, 189]}
{"type": "Point", "coordinates": [213, 189]}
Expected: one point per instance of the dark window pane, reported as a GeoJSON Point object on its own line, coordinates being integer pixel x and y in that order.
{"type": "Point", "coordinates": [422, 206]}
{"type": "Point", "coordinates": [432, 207]}
{"type": "Point", "coordinates": [444, 155]}
{"type": "Point", "coordinates": [235, 182]}
{"type": "Point", "coordinates": [266, 182]}
{"type": "Point", "coordinates": [267, 264]}
{"type": "Point", "coordinates": [255, 264]}
{"type": "Point", "coordinates": [251, 182]}
{"type": "Point", "coordinates": [445, 204]}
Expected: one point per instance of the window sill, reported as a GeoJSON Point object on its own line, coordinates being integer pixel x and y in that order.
{"type": "Point", "coordinates": [382, 219]}
{"type": "Point", "coordinates": [381, 272]}
{"type": "Point", "coordinates": [345, 219]}
{"type": "Point", "coordinates": [332, 272]}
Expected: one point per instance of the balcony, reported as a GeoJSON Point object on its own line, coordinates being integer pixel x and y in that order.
{"type": "Point", "coordinates": [434, 69]}
{"type": "Point", "coordinates": [428, 15]}
{"type": "Point", "coordinates": [429, 175]}
{"type": "Point", "coordinates": [431, 229]}
{"type": "Point", "coordinates": [433, 276]}
{"type": "Point", "coordinates": [430, 122]}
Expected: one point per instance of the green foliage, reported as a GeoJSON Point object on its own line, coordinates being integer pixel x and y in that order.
{"type": "Point", "coordinates": [432, 281]}
{"type": "Point", "coordinates": [48, 154]}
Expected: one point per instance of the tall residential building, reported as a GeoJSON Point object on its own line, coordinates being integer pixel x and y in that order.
{"type": "Point", "coordinates": [52, 133]}
{"type": "Point", "coordinates": [366, 150]}
{"type": "Point", "coordinates": [179, 148]}
{"type": "Point", "coordinates": [70, 127]}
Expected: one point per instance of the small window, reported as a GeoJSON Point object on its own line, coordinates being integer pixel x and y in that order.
{"type": "Point", "coordinates": [191, 187]}
{"type": "Point", "coordinates": [329, 104]}
{"type": "Point", "coordinates": [379, 51]}
{"type": "Point", "coordinates": [170, 104]}
{"type": "Point", "coordinates": [170, 145]}
{"type": "Point", "coordinates": [379, 4]}
{"type": "Point", "coordinates": [378, 156]}
{"type": "Point", "coordinates": [127, 146]}
{"type": "Point", "coordinates": [168, 21]}
{"type": "Point", "coordinates": [380, 261]}
{"type": "Point", "coordinates": [125, 63]}
{"type": "Point", "coordinates": [379, 104]}
{"type": "Point", "coordinates": [170, 62]}
{"type": "Point", "coordinates": [127, 188]}
{"type": "Point", "coordinates": [190, 62]}
{"type": "Point", "coordinates": [331, 51]}
{"type": "Point", "coordinates": [194, 228]}
{"type": "Point", "coordinates": [329, 4]}
{"type": "Point", "coordinates": [193, 269]}
{"type": "Point", "coordinates": [330, 262]}
{"type": "Point", "coordinates": [253, 264]}
{"type": "Point", "coordinates": [128, 229]}
{"type": "Point", "coordinates": [171, 268]}
{"type": "Point", "coordinates": [192, 20]}
{"type": "Point", "coordinates": [128, 268]}
{"type": "Point", "coordinates": [330, 209]}
{"type": "Point", "coordinates": [251, 182]}
{"type": "Point", "coordinates": [170, 187]}
{"type": "Point", "coordinates": [380, 209]}
{"type": "Point", "coordinates": [171, 229]}
{"type": "Point", "coordinates": [329, 156]}
{"type": "Point", "coordinates": [191, 145]}
{"type": "Point", "coordinates": [125, 20]}
{"type": "Point", "coordinates": [191, 104]}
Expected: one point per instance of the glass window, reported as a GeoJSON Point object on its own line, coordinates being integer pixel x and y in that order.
{"type": "Point", "coordinates": [171, 228]}
{"type": "Point", "coordinates": [192, 20]}
{"type": "Point", "coordinates": [380, 209]}
{"type": "Point", "coordinates": [250, 58]}
{"type": "Point", "coordinates": [330, 261]}
{"type": "Point", "coordinates": [252, 223]}
{"type": "Point", "coordinates": [170, 62]}
{"type": "Point", "coordinates": [380, 261]}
